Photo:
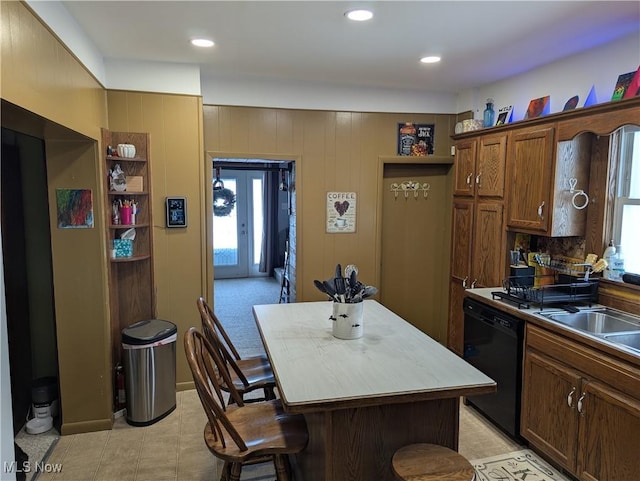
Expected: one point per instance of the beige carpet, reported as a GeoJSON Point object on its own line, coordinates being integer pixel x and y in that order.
{"type": "Point", "coordinates": [233, 304]}
{"type": "Point", "coordinates": [516, 466]}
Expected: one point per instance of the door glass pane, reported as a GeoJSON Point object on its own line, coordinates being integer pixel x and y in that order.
{"type": "Point", "coordinates": [225, 233]}
{"type": "Point", "coordinates": [257, 219]}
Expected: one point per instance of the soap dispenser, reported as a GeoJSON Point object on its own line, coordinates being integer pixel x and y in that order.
{"type": "Point", "coordinates": [609, 254]}
{"type": "Point", "coordinates": [617, 265]}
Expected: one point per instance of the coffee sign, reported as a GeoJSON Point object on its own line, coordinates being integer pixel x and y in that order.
{"type": "Point", "coordinates": [341, 212]}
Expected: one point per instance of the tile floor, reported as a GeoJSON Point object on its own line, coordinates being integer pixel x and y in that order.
{"type": "Point", "coordinates": [173, 449]}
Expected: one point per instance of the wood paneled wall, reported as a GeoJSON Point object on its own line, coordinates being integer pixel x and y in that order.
{"type": "Point", "coordinates": [334, 151]}
{"type": "Point", "coordinates": [47, 93]}
{"type": "Point", "coordinates": [39, 74]}
{"type": "Point", "coordinates": [174, 124]}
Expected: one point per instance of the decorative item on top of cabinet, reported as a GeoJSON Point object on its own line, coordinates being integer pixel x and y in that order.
{"type": "Point", "coordinates": [540, 181]}
{"type": "Point", "coordinates": [128, 216]}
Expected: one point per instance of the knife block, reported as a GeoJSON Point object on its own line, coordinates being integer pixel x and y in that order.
{"type": "Point", "coordinates": [522, 275]}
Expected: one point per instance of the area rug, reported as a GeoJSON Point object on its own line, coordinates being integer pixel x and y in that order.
{"type": "Point", "coordinates": [517, 466]}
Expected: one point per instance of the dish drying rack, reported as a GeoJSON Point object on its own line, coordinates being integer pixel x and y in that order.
{"type": "Point", "coordinates": [567, 283]}
{"type": "Point", "coordinates": [567, 266]}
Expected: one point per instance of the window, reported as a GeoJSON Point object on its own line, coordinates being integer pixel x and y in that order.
{"type": "Point", "coordinates": [626, 216]}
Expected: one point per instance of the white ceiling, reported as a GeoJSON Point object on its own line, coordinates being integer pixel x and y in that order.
{"type": "Point", "coordinates": [480, 42]}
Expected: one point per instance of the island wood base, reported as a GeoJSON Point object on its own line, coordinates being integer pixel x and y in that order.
{"type": "Point", "coordinates": [357, 444]}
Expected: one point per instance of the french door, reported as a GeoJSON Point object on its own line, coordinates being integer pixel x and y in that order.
{"type": "Point", "coordinates": [237, 237]}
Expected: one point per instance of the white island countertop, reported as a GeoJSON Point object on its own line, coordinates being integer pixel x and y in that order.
{"type": "Point", "coordinates": [393, 361]}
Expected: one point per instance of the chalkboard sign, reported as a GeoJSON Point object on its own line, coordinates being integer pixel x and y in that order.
{"type": "Point", "coordinates": [176, 211]}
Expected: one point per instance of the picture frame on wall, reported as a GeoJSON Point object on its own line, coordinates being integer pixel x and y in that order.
{"type": "Point", "coordinates": [341, 212]}
{"type": "Point", "coordinates": [415, 139]}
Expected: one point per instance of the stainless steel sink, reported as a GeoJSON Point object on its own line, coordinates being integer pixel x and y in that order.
{"type": "Point", "coordinates": [602, 321]}
{"type": "Point", "coordinates": [631, 340]}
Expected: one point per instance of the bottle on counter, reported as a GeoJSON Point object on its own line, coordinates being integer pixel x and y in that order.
{"type": "Point", "coordinates": [617, 266]}
{"type": "Point", "coordinates": [609, 254]}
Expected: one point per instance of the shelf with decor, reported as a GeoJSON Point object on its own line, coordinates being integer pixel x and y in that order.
{"type": "Point", "coordinates": [131, 277]}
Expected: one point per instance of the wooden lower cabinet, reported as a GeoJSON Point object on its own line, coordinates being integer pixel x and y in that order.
{"type": "Point", "coordinates": [584, 425]}
{"type": "Point", "coordinates": [609, 435]}
{"type": "Point", "coordinates": [548, 421]}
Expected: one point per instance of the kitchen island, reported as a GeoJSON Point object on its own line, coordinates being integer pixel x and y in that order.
{"type": "Point", "coordinates": [363, 398]}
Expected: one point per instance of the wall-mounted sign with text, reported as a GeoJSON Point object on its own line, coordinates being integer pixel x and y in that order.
{"type": "Point", "coordinates": [341, 212]}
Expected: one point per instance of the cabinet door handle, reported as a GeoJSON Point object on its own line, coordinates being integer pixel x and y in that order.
{"type": "Point", "coordinates": [464, 282]}
{"type": "Point", "coordinates": [473, 284]}
{"type": "Point", "coordinates": [540, 208]}
{"type": "Point", "coordinates": [570, 397]}
{"type": "Point", "coordinates": [478, 178]}
{"type": "Point", "coordinates": [469, 179]}
{"type": "Point", "coordinates": [580, 410]}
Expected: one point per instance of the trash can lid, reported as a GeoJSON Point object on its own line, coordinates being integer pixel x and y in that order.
{"type": "Point", "coordinates": [148, 331]}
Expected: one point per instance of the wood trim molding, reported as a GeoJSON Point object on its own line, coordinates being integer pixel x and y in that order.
{"type": "Point", "coordinates": [601, 119]}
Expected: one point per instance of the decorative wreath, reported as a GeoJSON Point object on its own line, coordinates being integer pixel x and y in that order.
{"type": "Point", "coordinates": [223, 201]}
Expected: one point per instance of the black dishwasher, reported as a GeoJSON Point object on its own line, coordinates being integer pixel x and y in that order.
{"type": "Point", "coordinates": [493, 344]}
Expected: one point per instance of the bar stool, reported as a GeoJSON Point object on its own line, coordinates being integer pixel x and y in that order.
{"type": "Point", "coordinates": [430, 462]}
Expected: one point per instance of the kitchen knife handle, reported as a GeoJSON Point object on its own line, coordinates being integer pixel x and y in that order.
{"type": "Point", "coordinates": [570, 397]}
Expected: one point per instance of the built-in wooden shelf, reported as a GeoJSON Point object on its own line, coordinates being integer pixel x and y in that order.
{"type": "Point", "coordinates": [127, 226]}
{"type": "Point", "coordinates": [130, 259]}
{"type": "Point", "coordinates": [131, 279]}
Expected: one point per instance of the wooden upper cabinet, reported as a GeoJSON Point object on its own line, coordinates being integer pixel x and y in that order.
{"type": "Point", "coordinates": [544, 179]}
{"type": "Point", "coordinates": [480, 166]}
{"type": "Point", "coordinates": [530, 168]}
{"type": "Point", "coordinates": [464, 168]}
{"type": "Point", "coordinates": [490, 170]}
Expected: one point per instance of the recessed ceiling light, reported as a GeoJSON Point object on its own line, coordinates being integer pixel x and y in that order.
{"type": "Point", "coordinates": [202, 42]}
{"type": "Point", "coordinates": [430, 59]}
{"type": "Point", "coordinates": [359, 15]}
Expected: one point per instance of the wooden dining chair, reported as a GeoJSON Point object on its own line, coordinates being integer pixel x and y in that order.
{"type": "Point", "coordinates": [247, 374]}
{"type": "Point", "coordinates": [241, 434]}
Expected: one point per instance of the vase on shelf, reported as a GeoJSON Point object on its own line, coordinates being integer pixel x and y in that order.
{"type": "Point", "coordinates": [489, 114]}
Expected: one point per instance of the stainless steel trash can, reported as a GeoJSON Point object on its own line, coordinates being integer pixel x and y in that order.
{"type": "Point", "coordinates": [149, 351]}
